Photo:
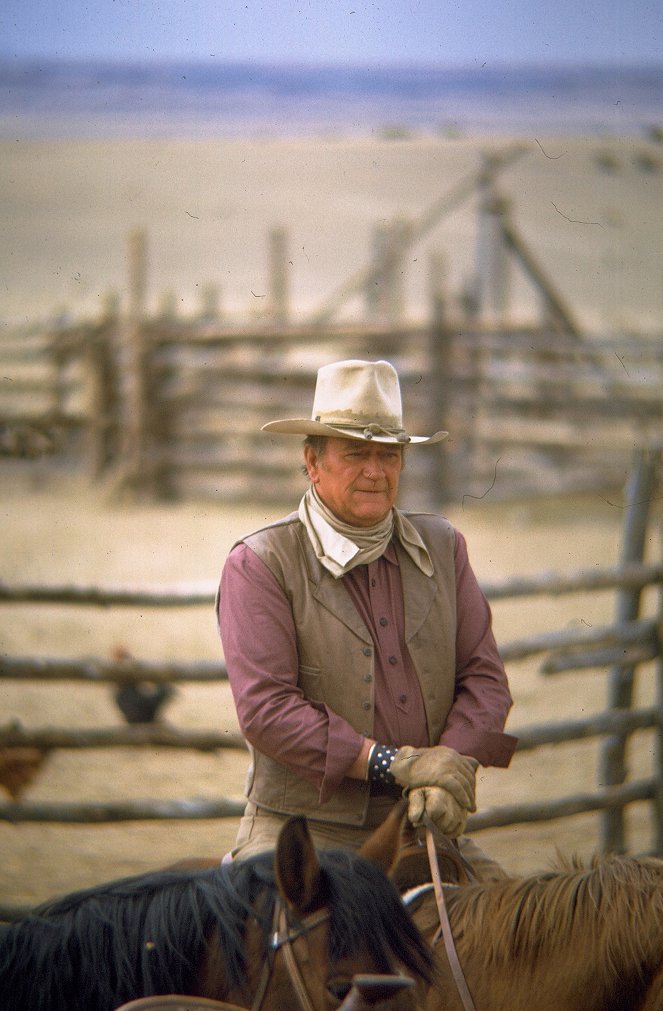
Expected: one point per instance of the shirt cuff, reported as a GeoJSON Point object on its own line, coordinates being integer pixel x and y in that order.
{"type": "Point", "coordinates": [489, 747]}
{"type": "Point", "coordinates": [343, 746]}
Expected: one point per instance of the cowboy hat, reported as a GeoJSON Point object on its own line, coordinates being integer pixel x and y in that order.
{"type": "Point", "coordinates": [355, 400]}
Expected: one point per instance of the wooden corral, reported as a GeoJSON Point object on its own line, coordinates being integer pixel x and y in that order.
{"type": "Point", "coordinates": [529, 412]}
{"type": "Point", "coordinates": [162, 407]}
{"type": "Point", "coordinates": [629, 650]}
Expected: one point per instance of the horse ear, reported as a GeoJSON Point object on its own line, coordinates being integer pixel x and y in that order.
{"type": "Point", "coordinates": [384, 845]}
{"type": "Point", "coordinates": [296, 865]}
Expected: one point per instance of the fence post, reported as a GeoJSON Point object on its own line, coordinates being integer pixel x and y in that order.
{"type": "Point", "coordinates": [612, 763]}
{"type": "Point", "coordinates": [385, 298]}
{"type": "Point", "coordinates": [101, 363]}
{"type": "Point", "coordinates": [658, 741]}
{"type": "Point", "coordinates": [441, 372]}
{"type": "Point", "coordinates": [492, 257]}
{"type": "Point", "coordinates": [134, 460]}
{"type": "Point", "coordinates": [210, 303]}
{"type": "Point", "coordinates": [278, 262]}
{"type": "Point", "coordinates": [376, 278]}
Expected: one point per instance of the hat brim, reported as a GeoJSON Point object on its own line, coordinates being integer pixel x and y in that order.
{"type": "Point", "coordinates": [305, 426]}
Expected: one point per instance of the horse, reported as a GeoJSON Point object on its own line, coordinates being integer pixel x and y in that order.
{"type": "Point", "coordinates": [570, 938]}
{"type": "Point", "coordinates": [366, 993]}
{"type": "Point", "coordinates": [288, 929]}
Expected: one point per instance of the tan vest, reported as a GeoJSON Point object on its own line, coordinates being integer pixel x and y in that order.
{"type": "Point", "coordinates": [336, 653]}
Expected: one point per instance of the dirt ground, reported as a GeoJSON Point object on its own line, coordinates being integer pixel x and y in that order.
{"type": "Point", "coordinates": [208, 205]}
{"type": "Point", "coordinates": [66, 532]}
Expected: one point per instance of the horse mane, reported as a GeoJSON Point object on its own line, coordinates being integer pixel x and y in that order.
{"type": "Point", "coordinates": [148, 934]}
{"type": "Point", "coordinates": [615, 906]}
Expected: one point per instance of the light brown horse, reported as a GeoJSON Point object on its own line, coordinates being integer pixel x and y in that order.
{"type": "Point", "coordinates": [573, 939]}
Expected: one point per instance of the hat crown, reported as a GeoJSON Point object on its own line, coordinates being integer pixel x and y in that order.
{"type": "Point", "coordinates": [354, 399]}
{"type": "Point", "coordinates": [357, 394]}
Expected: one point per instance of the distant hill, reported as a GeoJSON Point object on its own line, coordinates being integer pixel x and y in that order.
{"type": "Point", "coordinates": [54, 99]}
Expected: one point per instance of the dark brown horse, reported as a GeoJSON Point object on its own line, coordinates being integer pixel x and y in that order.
{"type": "Point", "coordinates": [228, 933]}
{"type": "Point", "coordinates": [574, 939]}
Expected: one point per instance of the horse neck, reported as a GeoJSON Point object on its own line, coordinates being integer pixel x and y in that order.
{"type": "Point", "coordinates": [591, 940]}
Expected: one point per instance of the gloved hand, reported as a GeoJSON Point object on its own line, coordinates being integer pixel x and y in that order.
{"type": "Point", "coordinates": [441, 808]}
{"type": "Point", "coordinates": [439, 766]}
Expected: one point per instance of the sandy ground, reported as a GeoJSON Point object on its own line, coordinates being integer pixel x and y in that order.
{"type": "Point", "coordinates": [588, 208]}
{"type": "Point", "coordinates": [67, 533]}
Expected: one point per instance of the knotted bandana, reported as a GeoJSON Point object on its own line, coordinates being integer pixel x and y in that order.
{"type": "Point", "coordinates": [340, 547]}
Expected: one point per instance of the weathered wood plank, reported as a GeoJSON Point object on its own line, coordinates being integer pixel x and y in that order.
{"type": "Point", "coordinates": [148, 735]}
{"type": "Point", "coordinates": [138, 810]}
{"type": "Point", "coordinates": [635, 576]}
{"type": "Point", "coordinates": [615, 797]}
{"type": "Point", "coordinates": [623, 721]}
{"type": "Point", "coordinates": [108, 671]}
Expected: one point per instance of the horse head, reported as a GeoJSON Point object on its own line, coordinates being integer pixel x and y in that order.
{"type": "Point", "coordinates": [318, 950]}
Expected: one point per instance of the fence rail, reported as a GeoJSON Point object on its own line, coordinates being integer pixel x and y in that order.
{"type": "Point", "coordinates": [164, 407]}
{"type": "Point", "coordinates": [631, 640]}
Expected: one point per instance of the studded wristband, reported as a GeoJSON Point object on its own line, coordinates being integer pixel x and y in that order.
{"type": "Point", "coordinates": [380, 758]}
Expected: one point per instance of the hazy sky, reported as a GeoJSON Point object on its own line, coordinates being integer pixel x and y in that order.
{"type": "Point", "coordinates": [447, 32]}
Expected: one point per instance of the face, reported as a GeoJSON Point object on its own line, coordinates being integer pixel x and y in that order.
{"type": "Point", "coordinates": [357, 480]}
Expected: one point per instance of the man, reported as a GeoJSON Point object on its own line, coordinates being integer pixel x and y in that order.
{"type": "Point", "coordinates": [358, 643]}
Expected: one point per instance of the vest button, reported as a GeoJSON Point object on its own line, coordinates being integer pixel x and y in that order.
{"type": "Point", "coordinates": [393, 660]}
{"type": "Point", "coordinates": [367, 651]}
{"type": "Point", "coordinates": [366, 705]}
{"type": "Point", "coordinates": [368, 678]}
{"type": "Point", "coordinates": [383, 622]}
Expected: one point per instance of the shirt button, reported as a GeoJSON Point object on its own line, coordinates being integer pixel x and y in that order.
{"type": "Point", "coordinates": [402, 698]}
{"type": "Point", "coordinates": [373, 583]}
{"type": "Point", "coordinates": [367, 651]}
{"type": "Point", "coordinates": [383, 622]}
{"type": "Point", "coordinates": [393, 660]}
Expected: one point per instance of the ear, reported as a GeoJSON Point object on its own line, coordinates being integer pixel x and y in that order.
{"type": "Point", "coordinates": [384, 846]}
{"type": "Point", "coordinates": [296, 865]}
{"type": "Point", "coordinates": [311, 463]}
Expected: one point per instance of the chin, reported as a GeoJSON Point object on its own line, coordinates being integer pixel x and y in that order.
{"type": "Point", "coordinates": [370, 519]}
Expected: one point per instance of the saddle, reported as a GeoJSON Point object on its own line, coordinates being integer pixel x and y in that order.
{"type": "Point", "coordinates": [414, 867]}
{"type": "Point", "coordinates": [177, 1002]}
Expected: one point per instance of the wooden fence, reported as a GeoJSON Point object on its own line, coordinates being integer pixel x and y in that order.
{"type": "Point", "coordinates": [530, 412]}
{"type": "Point", "coordinates": [161, 407]}
{"type": "Point", "coordinates": [623, 648]}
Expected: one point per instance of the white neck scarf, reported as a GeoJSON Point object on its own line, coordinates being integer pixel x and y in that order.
{"type": "Point", "coordinates": [340, 547]}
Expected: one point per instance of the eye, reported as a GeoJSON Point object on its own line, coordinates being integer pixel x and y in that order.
{"type": "Point", "coordinates": [338, 989]}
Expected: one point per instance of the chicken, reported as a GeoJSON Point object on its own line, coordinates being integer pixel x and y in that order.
{"type": "Point", "coordinates": [19, 767]}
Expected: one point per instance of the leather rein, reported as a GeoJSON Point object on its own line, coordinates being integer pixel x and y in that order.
{"type": "Point", "coordinates": [444, 929]}
{"type": "Point", "coordinates": [282, 938]}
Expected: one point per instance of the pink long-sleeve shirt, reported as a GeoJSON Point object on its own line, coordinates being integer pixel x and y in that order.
{"type": "Point", "coordinates": [259, 643]}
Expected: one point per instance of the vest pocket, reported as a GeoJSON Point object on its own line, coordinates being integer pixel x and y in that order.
{"type": "Point", "coordinates": [310, 682]}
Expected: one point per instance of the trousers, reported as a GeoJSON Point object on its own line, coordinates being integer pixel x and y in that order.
{"type": "Point", "coordinates": [259, 829]}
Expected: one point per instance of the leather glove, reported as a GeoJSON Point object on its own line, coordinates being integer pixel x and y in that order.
{"type": "Point", "coordinates": [441, 808]}
{"type": "Point", "coordinates": [439, 766]}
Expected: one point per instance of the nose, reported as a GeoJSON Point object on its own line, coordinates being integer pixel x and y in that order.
{"type": "Point", "coordinates": [373, 468]}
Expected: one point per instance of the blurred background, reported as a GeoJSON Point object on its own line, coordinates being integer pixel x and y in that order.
{"type": "Point", "coordinates": [202, 203]}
